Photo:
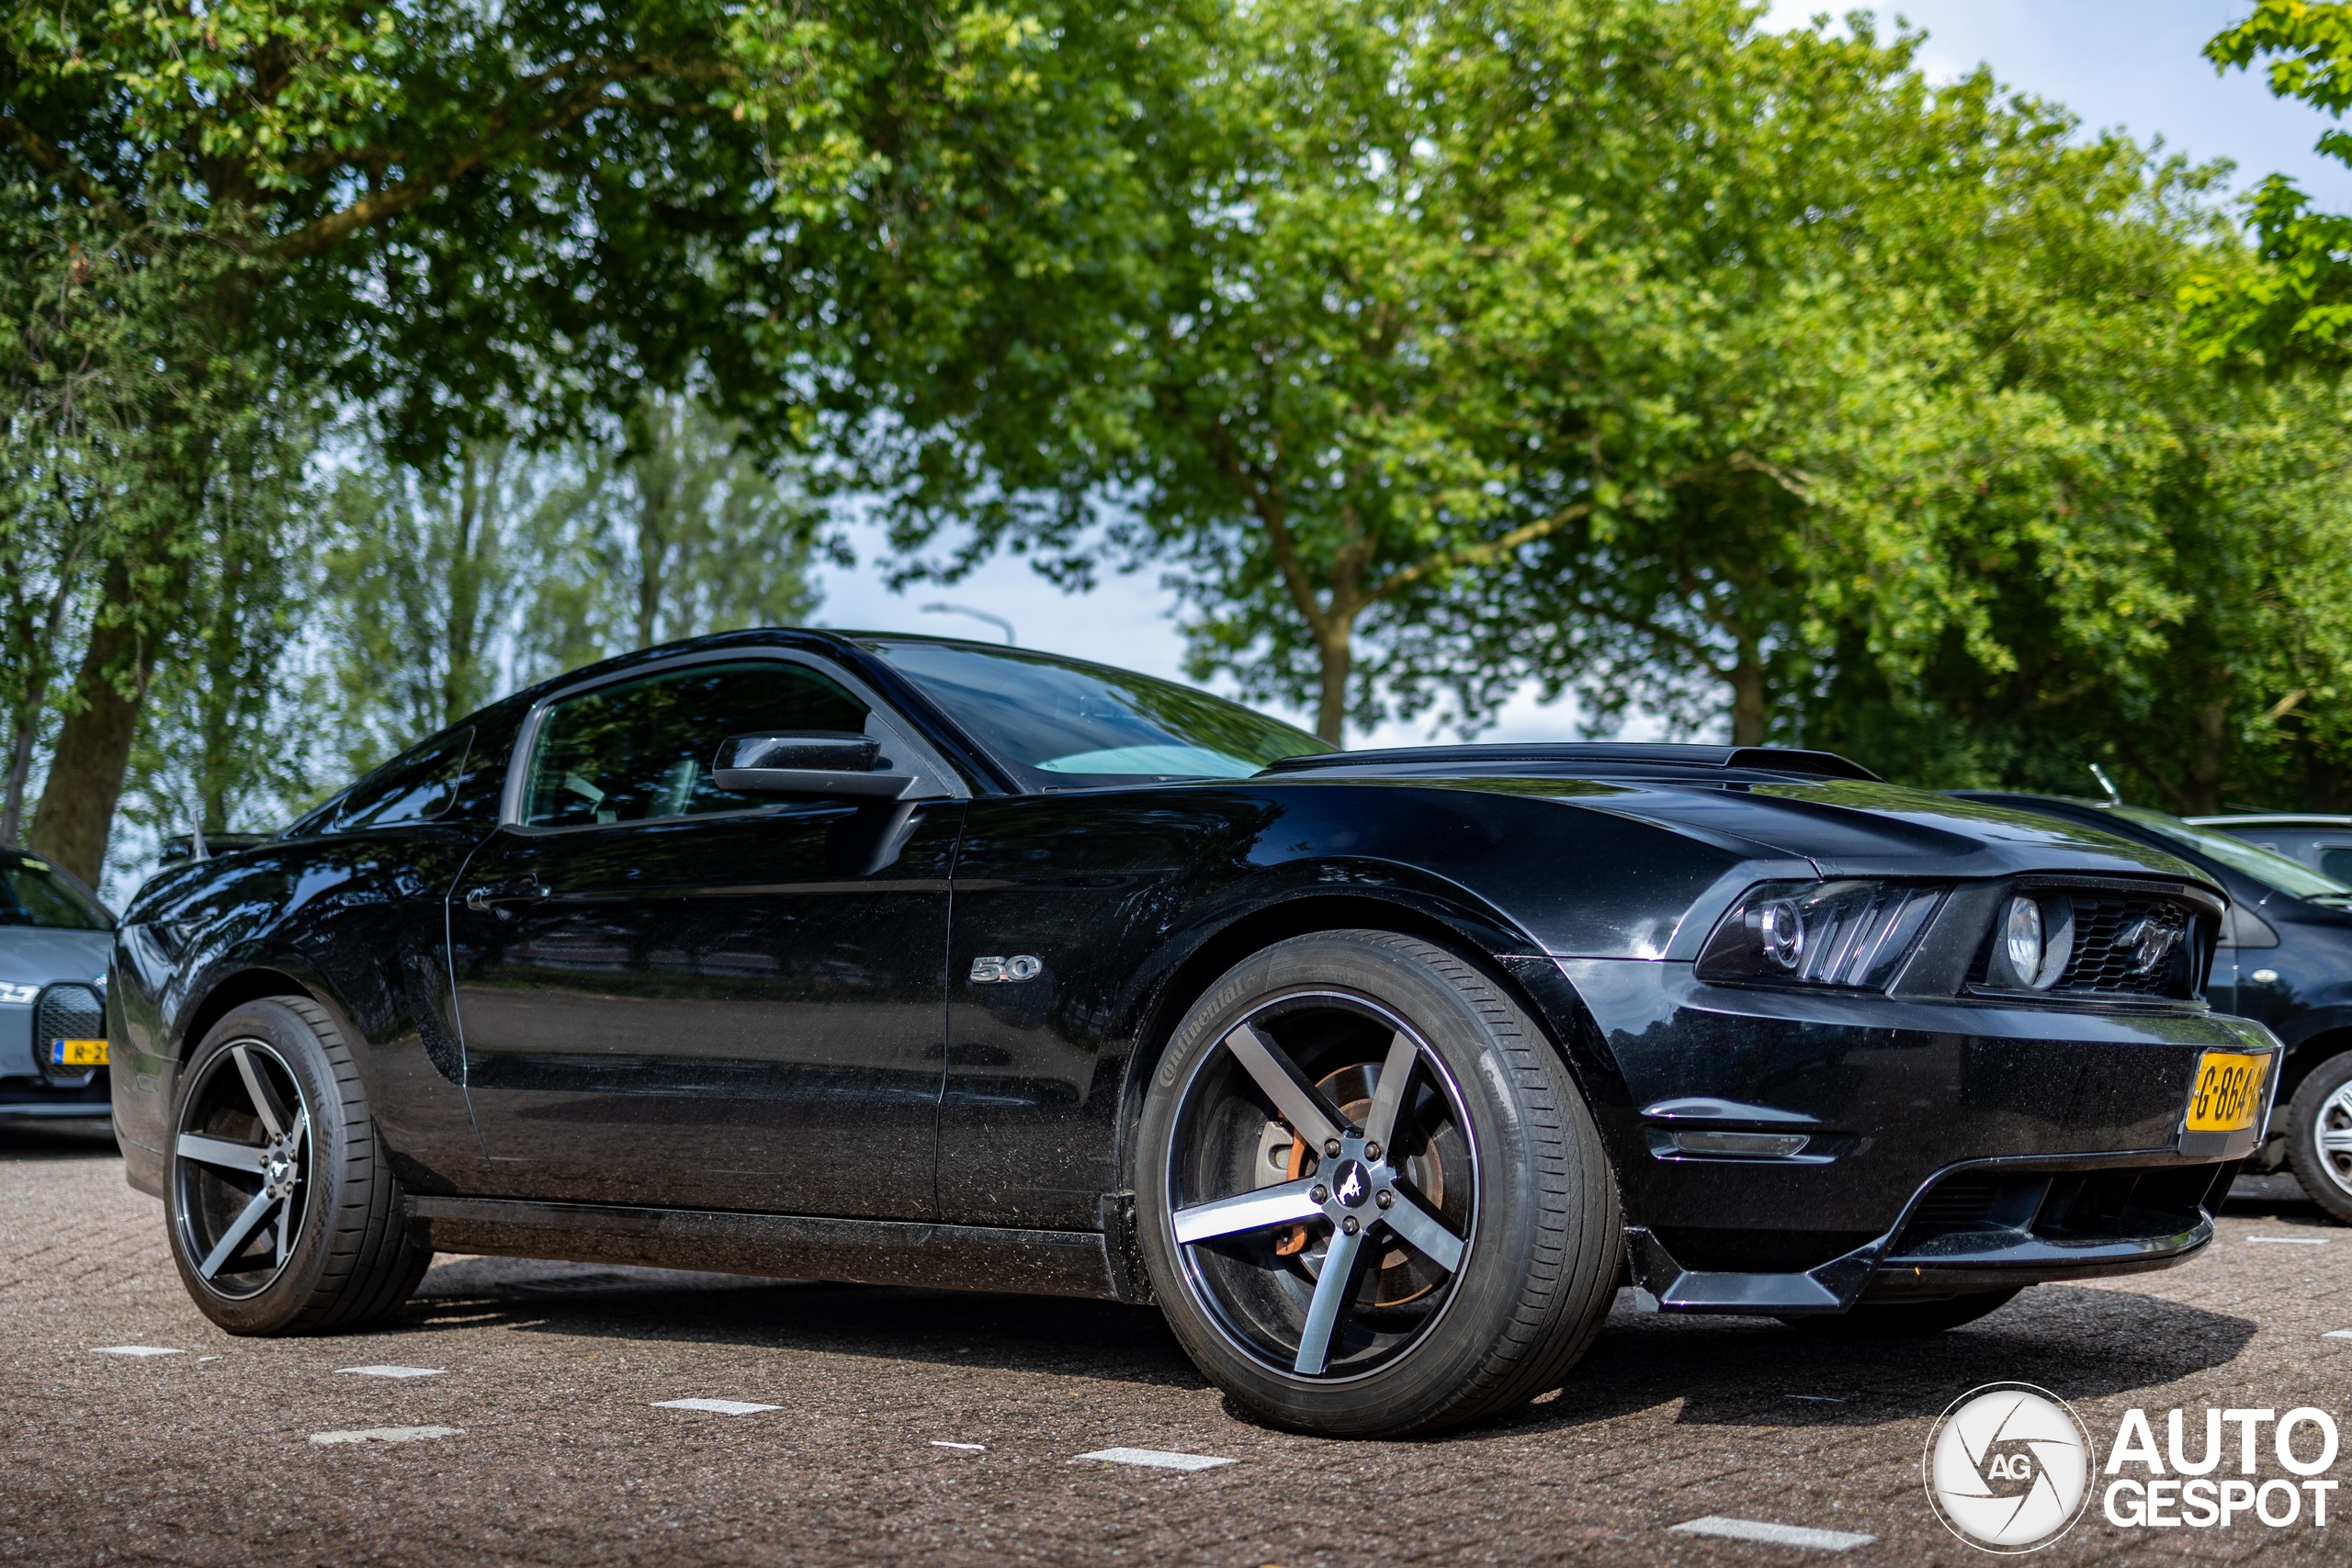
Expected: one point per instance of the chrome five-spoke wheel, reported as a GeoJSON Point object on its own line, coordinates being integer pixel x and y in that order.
{"type": "Point", "coordinates": [1310, 1196]}
{"type": "Point", "coordinates": [240, 1165]}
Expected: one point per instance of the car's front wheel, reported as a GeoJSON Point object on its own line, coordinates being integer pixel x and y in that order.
{"type": "Point", "coordinates": [2319, 1136]}
{"type": "Point", "coordinates": [284, 1214]}
{"type": "Point", "coordinates": [1371, 1196]}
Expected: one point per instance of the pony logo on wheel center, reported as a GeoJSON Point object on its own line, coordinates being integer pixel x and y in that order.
{"type": "Point", "coordinates": [2008, 1467]}
{"type": "Point", "coordinates": [1352, 1187]}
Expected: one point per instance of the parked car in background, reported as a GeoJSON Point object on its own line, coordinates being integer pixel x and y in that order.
{"type": "Point", "coordinates": [2324, 843]}
{"type": "Point", "coordinates": [2285, 959]}
{"type": "Point", "coordinates": [55, 939]}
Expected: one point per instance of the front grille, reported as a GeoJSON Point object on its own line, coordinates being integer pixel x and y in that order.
{"type": "Point", "coordinates": [2115, 937]}
{"type": "Point", "coordinates": [66, 1012]}
{"type": "Point", "coordinates": [2108, 947]}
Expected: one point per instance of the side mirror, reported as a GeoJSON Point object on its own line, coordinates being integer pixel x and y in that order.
{"type": "Point", "coordinates": [819, 764]}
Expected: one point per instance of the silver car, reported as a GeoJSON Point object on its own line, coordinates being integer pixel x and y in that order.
{"type": "Point", "coordinates": [55, 939]}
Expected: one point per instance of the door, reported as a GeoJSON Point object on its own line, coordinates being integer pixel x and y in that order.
{"type": "Point", "coordinates": [677, 997]}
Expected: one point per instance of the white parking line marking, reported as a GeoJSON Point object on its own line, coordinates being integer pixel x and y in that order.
{"type": "Point", "coordinates": [968, 1448]}
{"type": "Point", "coordinates": [136, 1350]}
{"type": "Point", "coordinates": [1158, 1459]}
{"type": "Point", "coordinates": [2338, 1333]}
{"type": "Point", "coordinates": [385, 1435]}
{"type": "Point", "coordinates": [716, 1406]}
{"type": "Point", "coordinates": [208, 1357]}
{"type": "Point", "coordinates": [2291, 1240]}
{"type": "Point", "coordinates": [1778, 1535]}
{"type": "Point", "coordinates": [1815, 1398]}
{"type": "Point", "coordinates": [393, 1371]}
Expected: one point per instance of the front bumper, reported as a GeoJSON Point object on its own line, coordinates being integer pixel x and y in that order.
{"type": "Point", "coordinates": [1947, 1147]}
{"type": "Point", "coordinates": [34, 1096]}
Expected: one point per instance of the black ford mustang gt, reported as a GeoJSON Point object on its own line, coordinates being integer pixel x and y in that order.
{"type": "Point", "coordinates": [906, 960]}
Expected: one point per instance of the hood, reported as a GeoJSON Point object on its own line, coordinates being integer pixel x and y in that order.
{"type": "Point", "coordinates": [1850, 829]}
{"type": "Point", "coordinates": [38, 956]}
{"type": "Point", "coordinates": [1764, 802]}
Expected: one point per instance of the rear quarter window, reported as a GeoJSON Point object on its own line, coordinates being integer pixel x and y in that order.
{"type": "Point", "coordinates": [417, 786]}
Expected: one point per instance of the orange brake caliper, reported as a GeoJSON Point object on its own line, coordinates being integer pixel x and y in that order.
{"type": "Point", "coordinates": [1294, 1243]}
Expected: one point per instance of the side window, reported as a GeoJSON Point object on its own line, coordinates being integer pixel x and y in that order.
{"type": "Point", "coordinates": [2337, 860]}
{"type": "Point", "coordinates": [415, 787]}
{"type": "Point", "coordinates": [643, 751]}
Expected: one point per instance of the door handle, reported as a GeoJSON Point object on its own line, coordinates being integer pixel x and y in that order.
{"type": "Point", "coordinates": [514, 890]}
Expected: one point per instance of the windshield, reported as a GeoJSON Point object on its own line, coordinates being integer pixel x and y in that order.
{"type": "Point", "coordinates": [34, 893]}
{"type": "Point", "coordinates": [1061, 725]}
{"type": "Point", "coordinates": [2273, 871]}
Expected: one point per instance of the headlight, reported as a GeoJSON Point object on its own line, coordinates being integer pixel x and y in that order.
{"type": "Point", "coordinates": [1819, 934]}
{"type": "Point", "coordinates": [2031, 942]}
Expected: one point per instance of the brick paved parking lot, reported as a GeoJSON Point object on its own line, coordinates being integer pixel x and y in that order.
{"type": "Point", "coordinates": [912, 1425]}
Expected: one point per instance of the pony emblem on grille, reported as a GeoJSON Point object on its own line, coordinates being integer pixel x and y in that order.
{"type": "Point", "coordinates": [2150, 942]}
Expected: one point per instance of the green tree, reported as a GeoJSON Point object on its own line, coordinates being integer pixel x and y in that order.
{"type": "Point", "coordinates": [1329, 382]}
{"type": "Point", "coordinates": [421, 584]}
{"type": "Point", "coordinates": [61, 365]}
{"type": "Point", "coordinates": [462, 214]}
{"type": "Point", "coordinates": [680, 533]}
{"type": "Point", "coordinates": [230, 736]}
{"type": "Point", "coordinates": [2295, 309]}
{"type": "Point", "coordinates": [1585, 340]}
{"type": "Point", "coordinates": [129, 466]}
{"type": "Point", "coordinates": [439, 590]}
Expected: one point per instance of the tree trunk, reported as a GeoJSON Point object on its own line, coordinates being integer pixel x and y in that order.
{"type": "Point", "coordinates": [465, 593]}
{"type": "Point", "coordinates": [225, 676]}
{"type": "Point", "coordinates": [20, 767]}
{"type": "Point", "coordinates": [2201, 791]}
{"type": "Point", "coordinates": [78, 801]}
{"type": "Point", "coordinates": [1749, 707]}
{"type": "Point", "coordinates": [1334, 649]}
{"type": "Point", "coordinates": [654, 532]}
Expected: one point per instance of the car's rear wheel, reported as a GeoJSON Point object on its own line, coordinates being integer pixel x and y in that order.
{"type": "Point", "coordinates": [283, 1212]}
{"type": "Point", "coordinates": [2319, 1136]}
{"type": "Point", "coordinates": [1903, 1320]}
{"type": "Point", "coordinates": [1371, 1196]}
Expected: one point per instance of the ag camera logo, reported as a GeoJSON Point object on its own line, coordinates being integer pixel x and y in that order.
{"type": "Point", "coordinates": [2009, 1467]}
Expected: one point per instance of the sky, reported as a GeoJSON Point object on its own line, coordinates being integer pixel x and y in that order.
{"type": "Point", "coordinates": [2128, 64]}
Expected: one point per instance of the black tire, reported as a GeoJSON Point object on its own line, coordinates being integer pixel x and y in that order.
{"type": "Point", "coordinates": [1493, 1144]}
{"type": "Point", "coordinates": [1903, 1320]}
{"type": "Point", "coordinates": [2323, 1104]}
{"type": "Point", "coordinates": [334, 1250]}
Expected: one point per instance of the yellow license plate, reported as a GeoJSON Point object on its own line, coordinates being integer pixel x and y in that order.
{"type": "Point", "coordinates": [2229, 1091]}
{"type": "Point", "coordinates": [77, 1053]}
